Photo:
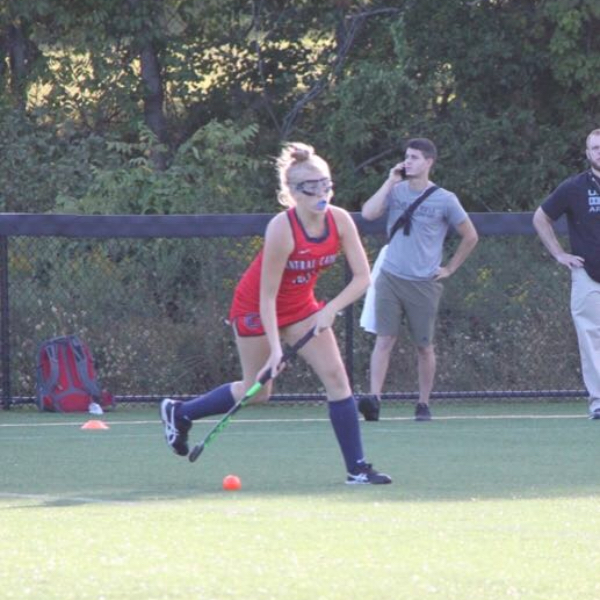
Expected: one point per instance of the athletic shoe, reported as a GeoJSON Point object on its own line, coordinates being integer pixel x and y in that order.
{"type": "Point", "coordinates": [95, 409]}
{"type": "Point", "coordinates": [422, 412]}
{"type": "Point", "coordinates": [176, 429]}
{"type": "Point", "coordinates": [369, 406]}
{"type": "Point", "coordinates": [594, 414]}
{"type": "Point", "coordinates": [365, 474]}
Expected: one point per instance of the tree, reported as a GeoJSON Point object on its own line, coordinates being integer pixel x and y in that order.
{"type": "Point", "coordinates": [505, 87]}
{"type": "Point", "coordinates": [485, 80]}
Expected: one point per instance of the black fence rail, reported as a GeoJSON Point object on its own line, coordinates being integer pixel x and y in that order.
{"type": "Point", "coordinates": [150, 296]}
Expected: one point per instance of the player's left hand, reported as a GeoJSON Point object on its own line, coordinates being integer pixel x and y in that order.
{"type": "Point", "coordinates": [274, 364]}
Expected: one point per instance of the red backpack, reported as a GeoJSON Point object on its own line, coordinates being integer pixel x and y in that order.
{"type": "Point", "coordinates": [66, 378]}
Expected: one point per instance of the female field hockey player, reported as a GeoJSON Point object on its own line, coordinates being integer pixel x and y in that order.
{"type": "Point", "coordinates": [275, 301]}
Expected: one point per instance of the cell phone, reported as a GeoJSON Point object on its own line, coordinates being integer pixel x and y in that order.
{"type": "Point", "coordinates": [401, 171]}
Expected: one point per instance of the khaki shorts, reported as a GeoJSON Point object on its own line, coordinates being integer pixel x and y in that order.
{"type": "Point", "coordinates": [399, 301]}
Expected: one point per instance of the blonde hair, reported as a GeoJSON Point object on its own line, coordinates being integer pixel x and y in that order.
{"type": "Point", "coordinates": [294, 156]}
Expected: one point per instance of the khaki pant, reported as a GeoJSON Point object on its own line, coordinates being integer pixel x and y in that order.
{"type": "Point", "coordinates": [585, 310]}
{"type": "Point", "coordinates": [415, 303]}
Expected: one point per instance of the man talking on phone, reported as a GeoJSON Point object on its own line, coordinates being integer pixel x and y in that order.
{"type": "Point", "coordinates": [409, 285]}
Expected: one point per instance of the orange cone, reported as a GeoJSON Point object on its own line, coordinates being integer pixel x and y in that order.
{"type": "Point", "coordinates": [94, 424]}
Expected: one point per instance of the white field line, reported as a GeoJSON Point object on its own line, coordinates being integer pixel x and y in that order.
{"type": "Point", "coordinates": [312, 420]}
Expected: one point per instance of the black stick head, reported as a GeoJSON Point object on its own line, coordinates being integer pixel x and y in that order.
{"type": "Point", "coordinates": [196, 452]}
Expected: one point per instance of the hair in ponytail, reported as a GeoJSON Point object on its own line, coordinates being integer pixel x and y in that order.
{"type": "Point", "coordinates": [294, 157]}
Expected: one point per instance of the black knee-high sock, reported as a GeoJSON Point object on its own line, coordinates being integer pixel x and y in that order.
{"type": "Point", "coordinates": [215, 402]}
{"type": "Point", "coordinates": [344, 418]}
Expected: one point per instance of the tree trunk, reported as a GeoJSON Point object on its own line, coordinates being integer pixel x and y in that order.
{"type": "Point", "coordinates": [154, 115]}
{"type": "Point", "coordinates": [17, 58]}
{"type": "Point", "coordinates": [152, 79]}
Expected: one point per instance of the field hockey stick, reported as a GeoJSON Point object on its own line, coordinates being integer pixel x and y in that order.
{"type": "Point", "coordinates": [254, 389]}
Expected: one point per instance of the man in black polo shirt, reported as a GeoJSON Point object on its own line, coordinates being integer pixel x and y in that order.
{"type": "Point", "coordinates": [579, 199]}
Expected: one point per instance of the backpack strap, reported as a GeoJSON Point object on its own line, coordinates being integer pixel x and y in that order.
{"type": "Point", "coordinates": [82, 362]}
{"type": "Point", "coordinates": [405, 219]}
{"type": "Point", "coordinates": [50, 349]}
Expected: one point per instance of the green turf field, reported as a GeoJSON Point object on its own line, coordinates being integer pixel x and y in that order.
{"type": "Point", "coordinates": [488, 503]}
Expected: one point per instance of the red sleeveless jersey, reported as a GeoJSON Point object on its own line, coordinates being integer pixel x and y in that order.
{"type": "Point", "coordinates": [296, 299]}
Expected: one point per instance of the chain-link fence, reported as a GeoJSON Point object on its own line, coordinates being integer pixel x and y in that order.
{"type": "Point", "coordinates": [152, 305]}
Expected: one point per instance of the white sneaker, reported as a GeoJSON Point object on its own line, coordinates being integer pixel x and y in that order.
{"type": "Point", "coordinates": [594, 414]}
{"type": "Point", "coordinates": [594, 409]}
{"type": "Point", "coordinates": [95, 409]}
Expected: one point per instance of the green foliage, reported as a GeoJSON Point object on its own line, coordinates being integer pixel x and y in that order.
{"type": "Point", "coordinates": [482, 80]}
{"type": "Point", "coordinates": [575, 45]}
{"type": "Point", "coordinates": [507, 89]}
{"type": "Point", "coordinates": [41, 162]}
{"type": "Point", "coordinates": [507, 162]}
{"type": "Point", "coordinates": [212, 172]}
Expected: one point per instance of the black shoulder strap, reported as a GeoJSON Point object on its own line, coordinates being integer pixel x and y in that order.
{"type": "Point", "coordinates": [405, 219]}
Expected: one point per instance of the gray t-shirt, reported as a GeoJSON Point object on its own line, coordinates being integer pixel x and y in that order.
{"type": "Point", "coordinates": [418, 256]}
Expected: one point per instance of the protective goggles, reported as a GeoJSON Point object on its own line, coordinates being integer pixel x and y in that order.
{"type": "Point", "coordinates": [313, 187]}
